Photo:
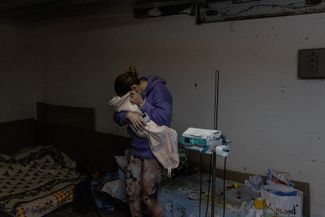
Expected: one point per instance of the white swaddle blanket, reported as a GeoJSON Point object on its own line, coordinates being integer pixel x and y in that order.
{"type": "Point", "coordinates": [162, 139]}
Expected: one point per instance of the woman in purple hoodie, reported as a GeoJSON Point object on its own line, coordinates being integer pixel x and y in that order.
{"type": "Point", "coordinates": [144, 172]}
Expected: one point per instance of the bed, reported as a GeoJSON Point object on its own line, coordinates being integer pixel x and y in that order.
{"type": "Point", "coordinates": [38, 158]}
{"type": "Point", "coordinates": [35, 181]}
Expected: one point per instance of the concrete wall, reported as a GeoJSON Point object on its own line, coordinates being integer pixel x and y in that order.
{"type": "Point", "coordinates": [18, 74]}
{"type": "Point", "coordinates": [274, 119]}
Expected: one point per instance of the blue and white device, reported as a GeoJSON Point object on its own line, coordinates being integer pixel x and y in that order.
{"type": "Point", "coordinates": [205, 141]}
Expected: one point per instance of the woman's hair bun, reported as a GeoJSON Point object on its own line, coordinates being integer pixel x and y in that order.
{"type": "Point", "coordinates": [131, 70]}
{"type": "Point", "coordinates": [124, 81]}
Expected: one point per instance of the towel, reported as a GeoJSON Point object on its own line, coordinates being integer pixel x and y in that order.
{"type": "Point", "coordinates": [162, 139]}
{"type": "Point", "coordinates": [202, 133]}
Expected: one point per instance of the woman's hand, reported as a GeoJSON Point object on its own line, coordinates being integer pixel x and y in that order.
{"type": "Point", "coordinates": [136, 121]}
{"type": "Point", "coordinates": [136, 98]}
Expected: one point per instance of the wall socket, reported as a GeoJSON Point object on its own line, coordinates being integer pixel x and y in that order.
{"type": "Point", "coordinates": [311, 63]}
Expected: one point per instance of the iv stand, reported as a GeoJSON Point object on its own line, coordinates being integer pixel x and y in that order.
{"type": "Point", "coordinates": [216, 106]}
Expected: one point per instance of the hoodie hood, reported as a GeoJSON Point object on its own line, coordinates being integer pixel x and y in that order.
{"type": "Point", "coordinates": [152, 81]}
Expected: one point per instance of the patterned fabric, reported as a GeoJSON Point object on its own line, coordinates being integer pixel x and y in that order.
{"type": "Point", "coordinates": [32, 174]}
{"type": "Point", "coordinates": [45, 205]}
{"type": "Point", "coordinates": [142, 182]}
{"type": "Point", "coordinates": [20, 212]}
{"type": "Point", "coordinates": [61, 197]}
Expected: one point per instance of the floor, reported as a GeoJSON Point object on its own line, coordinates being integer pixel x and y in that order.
{"type": "Point", "coordinates": [67, 211]}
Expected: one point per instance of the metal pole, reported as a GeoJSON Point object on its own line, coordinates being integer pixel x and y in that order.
{"type": "Point", "coordinates": [216, 111]}
{"type": "Point", "coordinates": [213, 183]}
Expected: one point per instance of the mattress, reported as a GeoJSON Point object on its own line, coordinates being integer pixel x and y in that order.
{"type": "Point", "coordinates": [35, 181]}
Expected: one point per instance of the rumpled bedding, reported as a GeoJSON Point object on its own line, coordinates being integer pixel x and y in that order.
{"type": "Point", "coordinates": [35, 181]}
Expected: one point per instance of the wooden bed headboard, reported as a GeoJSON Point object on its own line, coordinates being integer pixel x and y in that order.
{"type": "Point", "coordinates": [60, 115]}
{"type": "Point", "coordinates": [87, 147]}
{"type": "Point", "coordinates": [70, 129]}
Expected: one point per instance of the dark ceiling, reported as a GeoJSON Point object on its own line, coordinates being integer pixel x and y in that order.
{"type": "Point", "coordinates": [36, 10]}
{"type": "Point", "coordinates": [204, 11]}
{"type": "Point", "coordinates": [30, 10]}
{"type": "Point", "coordinates": [7, 5]}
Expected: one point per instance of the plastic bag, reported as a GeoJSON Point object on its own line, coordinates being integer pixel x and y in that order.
{"type": "Point", "coordinates": [282, 200]}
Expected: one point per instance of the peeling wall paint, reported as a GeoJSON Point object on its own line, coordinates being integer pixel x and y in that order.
{"type": "Point", "coordinates": [238, 10]}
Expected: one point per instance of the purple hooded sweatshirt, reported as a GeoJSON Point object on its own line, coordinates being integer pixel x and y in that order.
{"type": "Point", "coordinates": [158, 106]}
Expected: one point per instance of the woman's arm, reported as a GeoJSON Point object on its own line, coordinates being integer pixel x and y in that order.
{"type": "Point", "coordinates": [120, 118]}
{"type": "Point", "coordinates": [160, 110]}
{"type": "Point", "coordinates": [134, 118]}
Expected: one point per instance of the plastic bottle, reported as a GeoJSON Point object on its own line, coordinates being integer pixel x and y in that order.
{"type": "Point", "coordinates": [259, 207]}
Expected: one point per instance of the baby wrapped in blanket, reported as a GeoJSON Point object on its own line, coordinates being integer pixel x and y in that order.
{"type": "Point", "coordinates": [162, 139]}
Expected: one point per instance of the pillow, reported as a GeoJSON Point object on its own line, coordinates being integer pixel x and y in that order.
{"type": "Point", "coordinates": [116, 189]}
{"type": "Point", "coordinates": [122, 162]}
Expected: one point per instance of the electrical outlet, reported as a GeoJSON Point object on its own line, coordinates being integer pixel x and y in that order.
{"type": "Point", "coordinates": [311, 63]}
